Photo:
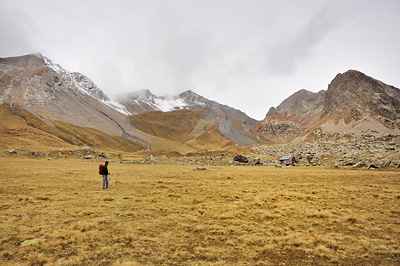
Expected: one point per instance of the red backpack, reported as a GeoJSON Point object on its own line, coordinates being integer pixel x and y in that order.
{"type": "Point", "coordinates": [101, 169]}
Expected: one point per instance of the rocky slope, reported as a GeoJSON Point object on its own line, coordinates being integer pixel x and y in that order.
{"type": "Point", "coordinates": [275, 130]}
{"type": "Point", "coordinates": [368, 150]}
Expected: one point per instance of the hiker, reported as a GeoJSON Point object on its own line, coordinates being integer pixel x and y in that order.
{"type": "Point", "coordinates": [105, 174]}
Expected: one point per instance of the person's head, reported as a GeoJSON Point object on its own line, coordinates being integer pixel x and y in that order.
{"type": "Point", "coordinates": [106, 163]}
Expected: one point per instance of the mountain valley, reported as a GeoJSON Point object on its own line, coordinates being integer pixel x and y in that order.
{"type": "Point", "coordinates": [45, 106]}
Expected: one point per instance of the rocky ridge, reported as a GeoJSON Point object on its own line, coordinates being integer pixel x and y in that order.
{"type": "Point", "coordinates": [354, 96]}
{"type": "Point", "coordinates": [303, 107]}
{"type": "Point", "coordinates": [354, 105]}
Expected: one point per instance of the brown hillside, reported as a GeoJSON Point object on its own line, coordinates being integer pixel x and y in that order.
{"type": "Point", "coordinates": [213, 142]}
{"type": "Point", "coordinates": [176, 125]}
{"type": "Point", "coordinates": [20, 128]}
{"type": "Point", "coordinates": [16, 131]}
{"type": "Point", "coordinates": [197, 130]}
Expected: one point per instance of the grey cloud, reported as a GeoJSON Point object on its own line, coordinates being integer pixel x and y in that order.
{"type": "Point", "coordinates": [293, 48]}
{"type": "Point", "coordinates": [236, 52]}
{"type": "Point", "coordinates": [16, 31]}
{"type": "Point", "coordinates": [177, 48]}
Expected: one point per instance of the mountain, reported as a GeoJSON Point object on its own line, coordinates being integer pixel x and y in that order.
{"type": "Point", "coordinates": [145, 101]}
{"type": "Point", "coordinates": [354, 96]}
{"type": "Point", "coordinates": [354, 104]}
{"type": "Point", "coordinates": [36, 84]}
{"type": "Point", "coordinates": [232, 123]}
{"type": "Point", "coordinates": [191, 127]}
{"type": "Point", "coordinates": [52, 94]}
{"type": "Point", "coordinates": [69, 106]}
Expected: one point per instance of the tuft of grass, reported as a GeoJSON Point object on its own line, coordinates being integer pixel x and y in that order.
{"type": "Point", "coordinates": [85, 212]}
{"type": "Point", "coordinates": [24, 198]}
{"type": "Point", "coordinates": [42, 197]}
{"type": "Point", "coordinates": [107, 198]}
{"type": "Point", "coordinates": [319, 214]}
{"type": "Point", "coordinates": [352, 219]}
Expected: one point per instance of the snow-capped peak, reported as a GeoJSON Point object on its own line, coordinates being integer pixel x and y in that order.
{"type": "Point", "coordinates": [53, 66]}
{"type": "Point", "coordinates": [84, 85]}
{"type": "Point", "coordinates": [166, 104]}
{"type": "Point", "coordinates": [144, 100]}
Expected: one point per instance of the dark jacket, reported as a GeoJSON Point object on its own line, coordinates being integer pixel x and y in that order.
{"type": "Point", "coordinates": [105, 170]}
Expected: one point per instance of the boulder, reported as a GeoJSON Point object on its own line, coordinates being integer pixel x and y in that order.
{"type": "Point", "coordinates": [33, 154]}
{"type": "Point", "coordinates": [150, 158]}
{"type": "Point", "coordinates": [11, 152]}
{"type": "Point", "coordinates": [241, 159]}
{"type": "Point", "coordinates": [104, 155]}
{"type": "Point", "coordinates": [255, 160]}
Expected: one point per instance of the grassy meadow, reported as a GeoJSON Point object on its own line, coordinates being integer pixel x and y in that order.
{"type": "Point", "coordinates": [172, 215]}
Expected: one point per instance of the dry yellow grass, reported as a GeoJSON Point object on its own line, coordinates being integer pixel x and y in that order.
{"type": "Point", "coordinates": [172, 215]}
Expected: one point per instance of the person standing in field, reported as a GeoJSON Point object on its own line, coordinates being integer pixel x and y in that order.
{"type": "Point", "coordinates": [105, 175]}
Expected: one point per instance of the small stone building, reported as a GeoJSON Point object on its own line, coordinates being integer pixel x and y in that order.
{"type": "Point", "coordinates": [287, 160]}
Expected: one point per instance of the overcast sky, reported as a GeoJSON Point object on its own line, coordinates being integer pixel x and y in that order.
{"type": "Point", "coordinates": [249, 54]}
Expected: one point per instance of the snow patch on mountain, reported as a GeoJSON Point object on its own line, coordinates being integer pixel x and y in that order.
{"type": "Point", "coordinates": [145, 101]}
{"type": "Point", "coordinates": [166, 105]}
{"type": "Point", "coordinates": [116, 106]}
{"type": "Point", "coordinates": [55, 67]}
